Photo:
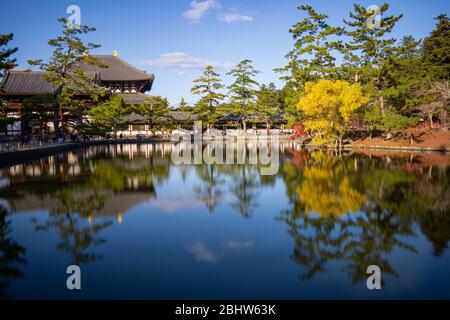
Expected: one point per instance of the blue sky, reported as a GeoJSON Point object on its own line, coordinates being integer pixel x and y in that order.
{"type": "Point", "coordinates": [174, 39]}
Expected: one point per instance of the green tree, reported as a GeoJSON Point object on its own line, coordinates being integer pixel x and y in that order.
{"type": "Point", "coordinates": [404, 74]}
{"type": "Point", "coordinates": [69, 50]}
{"type": "Point", "coordinates": [436, 49]}
{"type": "Point", "coordinates": [242, 90]}
{"type": "Point", "coordinates": [156, 111]}
{"type": "Point", "coordinates": [38, 108]}
{"type": "Point", "coordinates": [290, 94]}
{"type": "Point", "coordinates": [368, 48]}
{"type": "Point", "coordinates": [184, 106]}
{"type": "Point", "coordinates": [6, 62]}
{"type": "Point", "coordinates": [207, 87]}
{"type": "Point", "coordinates": [315, 42]}
{"type": "Point", "coordinates": [268, 103]}
{"type": "Point", "coordinates": [111, 114]}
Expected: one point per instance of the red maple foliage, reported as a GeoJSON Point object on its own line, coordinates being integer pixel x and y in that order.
{"type": "Point", "coordinates": [299, 131]}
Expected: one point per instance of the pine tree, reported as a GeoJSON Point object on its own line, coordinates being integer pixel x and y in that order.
{"type": "Point", "coordinates": [315, 42]}
{"type": "Point", "coordinates": [6, 62]}
{"type": "Point", "coordinates": [436, 49]}
{"type": "Point", "coordinates": [68, 51]}
{"type": "Point", "coordinates": [242, 90]}
{"type": "Point", "coordinates": [111, 114]}
{"type": "Point", "coordinates": [289, 95]}
{"type": "Point", "coordinates": [184, 106]}
{"type": "Point", "coordinates": [404, 74]}
{"type": "Point", "coordinates": [268, 104]}
{"type": "Point", "coordinates": [368, 48]}
{"type": "Point", "coordinates": [156, 111]}
{"type": "Point", "coordinates": [37, 108]}
{"type": "Point", "coordinates": [207, 86]}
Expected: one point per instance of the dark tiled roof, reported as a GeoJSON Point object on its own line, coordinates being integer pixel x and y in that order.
{"type": "Point", "coordinates": [134, 117]}
{"type": "Point", "coordinates": [181, 116]}
{"type": "Point", "coordinates": [133, 98]}
{"type": "Point", "coordinates": [26, 82]}
{"type": "Point", "coordinates": [33, 82]}
{"type": "Point", "coordinates": [116, 69]}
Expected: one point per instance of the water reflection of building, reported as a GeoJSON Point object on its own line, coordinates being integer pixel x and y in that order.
{"type": "Point", "coordinates": [114, 205]}
{"type": "Point", "coordinates": [98, 181]}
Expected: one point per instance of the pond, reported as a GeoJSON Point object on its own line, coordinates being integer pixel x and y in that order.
{"type": "Point", "coordinates": [141, 227]}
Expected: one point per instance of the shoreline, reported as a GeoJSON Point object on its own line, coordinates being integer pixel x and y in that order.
{"type": "Point", "coordinates": [18, 156]}
{"type": "Point", "coordinates": [380, 147]}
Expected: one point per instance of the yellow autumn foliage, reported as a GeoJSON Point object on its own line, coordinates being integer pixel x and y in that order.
{"type": "Point", "coordinates": [327, 189]}
{"type": "Point", "coordinates": [327, 106]}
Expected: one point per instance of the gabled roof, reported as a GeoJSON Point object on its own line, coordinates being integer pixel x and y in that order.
{"type": "Point", "coordinates": [116, 69]}
{"type": "Point", "coordinates": [183, 115]}
{"type": "Point", "coordinates": [26, 82]}
{"type": "Point", "coordinates": [32, 82]}
{"type": "Point", "coordinates": [133, 98]}
{"type": "Point", "coordinates": [180, 116]}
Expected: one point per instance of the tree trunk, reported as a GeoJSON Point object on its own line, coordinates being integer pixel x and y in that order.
{"type": "Point", "coordinates": [244, 126]}
{"type": "Point", "coordinates": [383, 111]}
{"type": "Point", "coordinates": [430, 117]}
{"type": "Point", "coordinates": [56, 110]}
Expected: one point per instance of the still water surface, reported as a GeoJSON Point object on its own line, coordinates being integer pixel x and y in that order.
{"type": "Point", "coordinates": [141, 227]}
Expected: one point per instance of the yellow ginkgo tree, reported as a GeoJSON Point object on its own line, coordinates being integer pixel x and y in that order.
{"type": "Point", "coordinates": [327, 107]}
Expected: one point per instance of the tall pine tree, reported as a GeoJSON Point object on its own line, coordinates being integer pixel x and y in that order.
{"type": "Point", "coordinates": [243, 91]}
{"type": "Point", "coordinates": [207, 87]}
{"type": "Point", "coordinates": [268, 104]}
{"type": "Point", "coordinates": [316, 41]}
{"type": "Point", "coordinates": [369, 48]}
{"type": "Point", "coordinates": [436, 49]}
{"type": "Point", "coordinates": [68, 51]}
{"type": "Point", "coordinates": [6, 62]}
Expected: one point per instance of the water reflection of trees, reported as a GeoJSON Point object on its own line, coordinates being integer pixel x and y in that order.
{"type": "Point", "coordinates": [11, 253]}
{"type": "Point", "coordinates": [356, 210]}
{"type": "Point", "coordinates": [74, 189]}
{"type": "Point", "coordinates": [245, 186]}
{"type": "Point", "coordinates": [209, 191]}
{"type": "Point", "coordinates": [241, 182]}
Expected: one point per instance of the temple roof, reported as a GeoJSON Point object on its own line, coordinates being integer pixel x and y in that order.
{"type": "Point", "coordinates": [32, 82]}
{"type": "Point", "coordinates": [133, 98]}
{"type": "Point", "coordinates": [26, 82]}
{"type": "Point", "coordinates": [180, 116]}
{"type": "Point", "coordinates": [116, 70]}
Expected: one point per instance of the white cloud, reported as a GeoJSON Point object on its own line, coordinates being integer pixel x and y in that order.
{"type": "Point", "coordinates": [202, 254]}
{"type": "Point", "coordinates": [234, 17]}
{"type": "Point", "coordinates": [180, 60]}
{"type": "Point", "coordinates": [199, 9]}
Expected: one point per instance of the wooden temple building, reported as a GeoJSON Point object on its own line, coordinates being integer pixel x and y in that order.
{"type": "Point", "coordinates": [115, 75]}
